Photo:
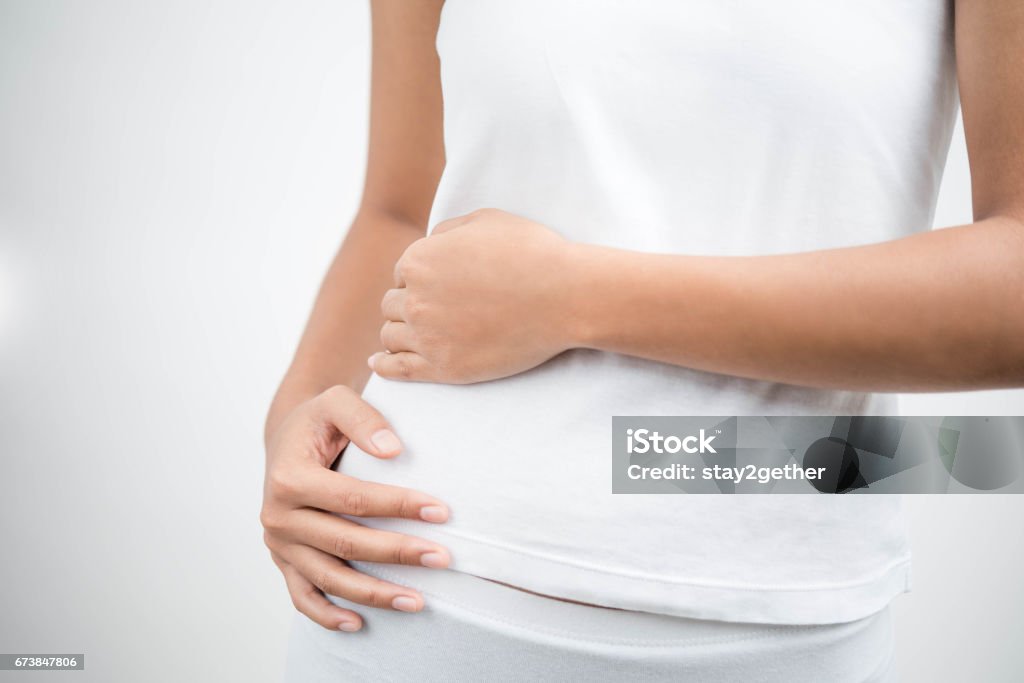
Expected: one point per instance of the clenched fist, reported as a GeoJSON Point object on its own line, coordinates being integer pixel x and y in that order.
{"type": "Point", "coordinates": [486, 295]}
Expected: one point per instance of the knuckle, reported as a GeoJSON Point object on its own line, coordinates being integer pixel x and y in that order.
{"type": "Point", "coordinates": [309, 591]}
{"type": "Point", "coordinates": [370, 595]}
{"type": "Point", "coordinates": [405, 508]}
{"type": "Point", "coordinates": [402, 554]}
{"type": "Point", "coordinates": [414, 308]}
{"type": "Point", "coordinates": [300, 598]}
{"type": "Point", "coordinates": [280, 485]}
{"type": "Point", "coordinates": [412, 258]}
{"type": "Point", "coordinates": [272, 521]}
{"type": "Point", "coordinates": [387, 334]}
{"type": "Point", "coordinates": [360, 417]}
{"type": "Point", "coordinates": [408, 269]}
{"type": "Point", "coordinates": [414, 249]}
{"type": "Point", "coordinates": [323, 581]}
{"type": "Point", "coordinates": [403, 368]}
{"type": "Point", "coordinates": [355, 503]}
{"type": "Point", "coordinates": [344, 548]}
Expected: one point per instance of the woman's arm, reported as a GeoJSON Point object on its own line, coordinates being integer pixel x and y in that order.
{"type": "Point", "coordinates": [942, 310]}
{"type": "Point", "coordinates": [317, 410]}
{"type": "Point", "coordinates": [489, 294]}
{"type": "Point", "coordinates": [404, 164]}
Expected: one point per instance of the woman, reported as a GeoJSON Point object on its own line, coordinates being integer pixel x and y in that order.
{"type": "Point", "coordinates": [643, 208]}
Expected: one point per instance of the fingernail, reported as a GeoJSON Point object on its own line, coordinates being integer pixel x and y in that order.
{"type": "Point", "coordinates": [434, 513]}
{"type": "Point", "coordinates": [385, 441]}
{"type": "Point", "coordinates": [348, 626]}
{"type": "Point", "coordinates": [369, 361]}
{"type": "Point", "coordinates": [405, 604]}
{"type": "Point", "coordinates": [434, 560]}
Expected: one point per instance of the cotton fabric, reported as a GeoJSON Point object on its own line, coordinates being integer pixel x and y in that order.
{"type": "Point", "coordinates": [728, 128]}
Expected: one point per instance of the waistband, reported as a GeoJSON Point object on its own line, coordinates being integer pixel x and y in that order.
{"type": "Point", "coordinates": [511, 608]}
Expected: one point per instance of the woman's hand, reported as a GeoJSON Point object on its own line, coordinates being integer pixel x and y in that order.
{"type": "Point", "coordinates": [309, 543]}
{"type": "Point", "coordinates": [486, 295]}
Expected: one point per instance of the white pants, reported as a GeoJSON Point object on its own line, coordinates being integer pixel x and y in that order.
{"type": "Point", "coordinates": [476, 630]}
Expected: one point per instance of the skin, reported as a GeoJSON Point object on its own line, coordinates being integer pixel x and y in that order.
{"type": "Point", "coordinates": [526, 294]}
{"type": "Point", "coordinates": [317, 408]}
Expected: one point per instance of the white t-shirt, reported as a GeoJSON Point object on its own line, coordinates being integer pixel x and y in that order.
{"type": "Point", "coordinates": [717, 127]}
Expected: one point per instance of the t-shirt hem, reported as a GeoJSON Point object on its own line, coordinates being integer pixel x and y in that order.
{"type": "Point", "coordinates": [750, 603]}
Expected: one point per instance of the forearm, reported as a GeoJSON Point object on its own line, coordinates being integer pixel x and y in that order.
{"type": "Point", "coordinates": [343, 328]}
{"type": "Point", "coordinates": [937, 311]}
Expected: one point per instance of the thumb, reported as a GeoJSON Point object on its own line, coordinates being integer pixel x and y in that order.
{"type": "Point", "coordinates": [353, 417]}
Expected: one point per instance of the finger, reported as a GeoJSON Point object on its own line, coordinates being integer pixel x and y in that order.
{"type": "Point", "coordinates": [397, 275]}
{"type": "Point", "coordinates": [350, 541]}
{"type": "Point", "coordinates": [404, 365]}
{"type": "Point", "coordinates": [392, 305]}
{"type": "Point", "coordinates": [333, 577]}
{"type": "Point", "coordinates": [309, 600]}
{"type": "Point", "coordinates": [335, 492]}
{"type": "Point", "coordinates": [452, 223]}
{"type": "Point", "coordinates": [360, 422]}
{"type": "Point", "coordinates": [397, 337]}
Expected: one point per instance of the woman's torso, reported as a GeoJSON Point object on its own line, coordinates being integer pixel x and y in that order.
{"type": "Point", "coordinates": [718, 127]}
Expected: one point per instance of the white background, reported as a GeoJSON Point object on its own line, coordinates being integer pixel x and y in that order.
{"type": "Point", "coordinates": [174, 178]}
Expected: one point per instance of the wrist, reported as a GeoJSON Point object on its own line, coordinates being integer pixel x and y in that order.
{"type": "Point", "coordinates": [293, 391]}
{"type": "Point", "coordinates": [585, 302]}
{"type": "Point", "coordinates": [282, 405]}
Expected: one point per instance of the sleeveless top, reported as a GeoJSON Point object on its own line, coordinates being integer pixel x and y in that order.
{"type": "Point", "coordinates": [715, 127]}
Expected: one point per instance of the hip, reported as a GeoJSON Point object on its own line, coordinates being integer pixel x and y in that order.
{"type": "Point", "coordinates": [474, 629]}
